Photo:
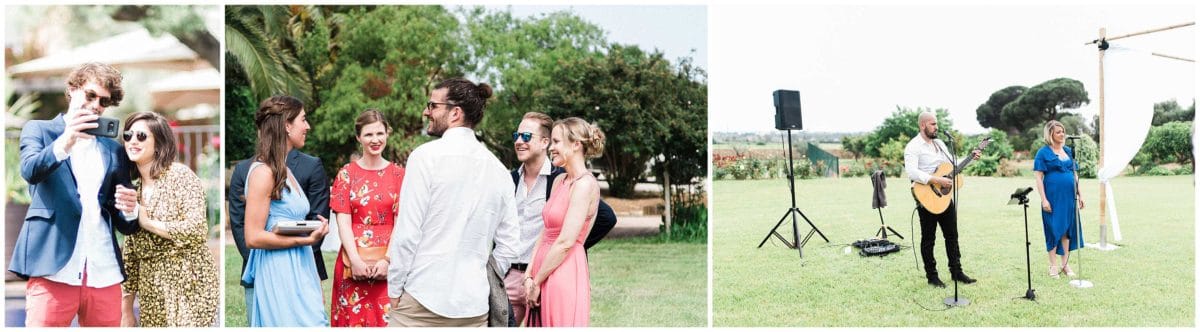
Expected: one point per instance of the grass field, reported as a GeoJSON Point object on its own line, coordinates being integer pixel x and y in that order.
{"type": "Point", "coordinates": [635, 282]}
{"type": "Point", "coordinates": [1148, 282]}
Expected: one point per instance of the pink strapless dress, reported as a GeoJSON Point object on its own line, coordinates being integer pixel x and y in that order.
{"type": "Point", "coordinates": [566, 293]}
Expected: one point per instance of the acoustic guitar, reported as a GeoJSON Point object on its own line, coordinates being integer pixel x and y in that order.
{"type": "Point", "coordinates": [936, 198]}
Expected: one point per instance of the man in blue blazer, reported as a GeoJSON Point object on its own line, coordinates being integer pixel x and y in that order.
{"type": "Point", "coordinates": [66, 248]}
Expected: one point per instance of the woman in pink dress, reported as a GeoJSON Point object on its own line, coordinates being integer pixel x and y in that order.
{"type": "Point", "coordinates": [557, 284]}
{"type": "Point", "coordinates": [365, 197]}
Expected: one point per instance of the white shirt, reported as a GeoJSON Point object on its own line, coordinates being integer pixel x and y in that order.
{"type": "Point", "coordinates": [921, 158]}
{"type": "Point", "coordinates": [530, 201]}
{"type": "Point", "coordinates": [93, 251]}
{"type": "Point", "coordinates": [457, 200]}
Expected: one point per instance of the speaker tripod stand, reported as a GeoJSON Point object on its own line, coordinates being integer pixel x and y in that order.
{"type": "Point", "coordinates": [884, 228]}
{"type": "Point", "coordinates": [796, 243]}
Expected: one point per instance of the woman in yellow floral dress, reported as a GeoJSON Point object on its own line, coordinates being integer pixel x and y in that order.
{"type": "Point", "coordinates": [365, 198]}
{"type": "Point", "coordinates": [170, 270]}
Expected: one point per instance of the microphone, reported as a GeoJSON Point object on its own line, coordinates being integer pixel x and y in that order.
{"type": "Point", "coordinates": [1074, 136]}
{"type": "Point", "coordinates": [947, 134]}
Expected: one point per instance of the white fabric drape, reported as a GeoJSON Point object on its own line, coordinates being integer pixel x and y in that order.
{"type": "Point", "coordinates": [1129, 109]}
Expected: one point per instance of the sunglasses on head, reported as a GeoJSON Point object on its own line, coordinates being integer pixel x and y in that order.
{"type": "Point", "coordinates": [522, 136]}
{"type": "Point", "coordinates": [128, 136]}
{"type": "Point", "coordinates": [104, 101]}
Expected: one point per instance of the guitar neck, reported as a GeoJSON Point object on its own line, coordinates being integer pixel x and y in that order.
{"type": "Point", "coordinates": [961, 165]}
{"type": "Point", "coordinates": [966, 161]}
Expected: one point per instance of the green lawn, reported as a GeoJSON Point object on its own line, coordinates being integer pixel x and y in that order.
{"type": "Point", "coordinates": [635, 282]}
{"type": "Point", "coordinates": [1148, 282]}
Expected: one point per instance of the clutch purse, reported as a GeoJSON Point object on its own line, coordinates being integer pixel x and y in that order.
{"type": "Point", "coordinates": [369, 255]}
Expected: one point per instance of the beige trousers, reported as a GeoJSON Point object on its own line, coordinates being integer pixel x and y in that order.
{"type": "Point", "coordinates": [410, 313]}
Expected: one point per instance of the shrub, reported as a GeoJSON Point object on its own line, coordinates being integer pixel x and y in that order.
{"type": "Point", "coordinates": [985, 166]}
{"type": "Point", "coordinates": [1185, 170]}
{"type": "Point", "coordinates": [689, 216]}
{"type": "Point", "coordinates": [894, 149]}
{"type": "Point", "coordinates": [1008, 168]}
{"type": "Point", "coordinates": [1158, 170]}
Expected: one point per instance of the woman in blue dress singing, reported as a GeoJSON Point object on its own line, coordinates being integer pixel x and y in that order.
{"type": "Point", "coordinates": [287, 292]}
{"type": "Point", "coordinates": [1058, 183]}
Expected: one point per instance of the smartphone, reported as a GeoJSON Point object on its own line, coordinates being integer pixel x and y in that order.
{"type": "Point", "coordinates": [107, 127]}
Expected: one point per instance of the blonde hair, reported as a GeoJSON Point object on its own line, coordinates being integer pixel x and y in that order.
{"type": "Point", "coordinates": [588, 135]}
{"type": "Point", "coordinates": [1048, 128]}
{"type": "Point", "coordinates": [544, 122]}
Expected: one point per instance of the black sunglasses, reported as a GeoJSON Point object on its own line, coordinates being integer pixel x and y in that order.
{"type": "Point", "coordinates": [522, 136]}
{"type": "Point", "coordinates": [104, 101]}
{"type": "Point", "coordinates": [128, 136]}
{"type": "Point", "coordinates": [430, 105]}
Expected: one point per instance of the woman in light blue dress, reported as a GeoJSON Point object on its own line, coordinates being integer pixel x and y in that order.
{"type": "Point", "coordinates": [286, 290]}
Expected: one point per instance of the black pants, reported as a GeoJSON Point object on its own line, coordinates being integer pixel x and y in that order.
{"type": "Point", "coordinates": [948, 220]}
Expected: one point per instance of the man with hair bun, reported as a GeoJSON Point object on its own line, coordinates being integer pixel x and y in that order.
{"type": "Point", "coordinates": [456, 203]}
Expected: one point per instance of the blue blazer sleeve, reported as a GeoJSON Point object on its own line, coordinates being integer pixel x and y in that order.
{"type": "Point", "coordinates": [37, 153]}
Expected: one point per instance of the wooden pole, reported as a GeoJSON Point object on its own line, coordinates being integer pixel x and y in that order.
{"type": "Point", "coordinates": [1172, 57]}
{"type": "Point", "coordinates": [667, 193]}
{"type": "Point", "coordinates": [1103, 194]}
{"type": "Point", "coordinates": [1100, 164]}
{"type": "Point", "coordinates": [1140, 32]}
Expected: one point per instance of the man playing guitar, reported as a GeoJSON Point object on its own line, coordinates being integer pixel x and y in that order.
{"type": "Point", "coordinates": [922, 156]}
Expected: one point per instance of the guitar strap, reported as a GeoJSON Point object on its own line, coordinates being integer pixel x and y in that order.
{"type": "Point", "coordinates": [945, 153]}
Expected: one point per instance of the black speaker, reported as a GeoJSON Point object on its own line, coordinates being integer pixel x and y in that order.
{"type": "Point", "coordinates": [787, 109]}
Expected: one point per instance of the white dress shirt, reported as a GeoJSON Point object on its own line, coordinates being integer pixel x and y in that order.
{"type": "Point", "coordinates": [530, 201]}
{"type": "Point", "coordinates": [921, 158]}
{"type": "Point", "coordinates": [457, 200]}
{"type": "Point", "coordinates": [93, 251]}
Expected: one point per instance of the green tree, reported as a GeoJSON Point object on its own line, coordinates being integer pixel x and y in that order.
{"type": "Point", "coordinates": [1170, 111]}
{"type": "Point", "coordinates": [240, 105]}
{"type": "Point", "coordinates": [854, 145]}
{"type": "Point", "coordinates": [903, 122]}
{"type": "Point", "coordinates": [1044, 101]}
{"type": "Point", "coordinates": [988, 114]}
{"type": "Point", "coordinates": [991, 157]}
{"type": "Point", "coordinates": [521, 56]}
{"type": "Point", "coordinates": [258, 41]}
{"type": "Point", "coordinates": [389, 59]}
{"type": "Point", "coordinates": [635, 97]}
{"type": "Point", "coordinates": [1087, 154]}
{"type": "Point", "coordinates": [185, 23]}
{"type": "Point", "coordinates": [1170, 142]}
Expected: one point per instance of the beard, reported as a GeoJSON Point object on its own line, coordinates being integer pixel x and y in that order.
{"type": "Point", "coordinates": [436, 128]}
{"type": "Point", "coordinates": [931, 134]}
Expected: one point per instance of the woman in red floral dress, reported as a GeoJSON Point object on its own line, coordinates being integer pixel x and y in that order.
{"type": "Point", "coordinates": [365, 197]}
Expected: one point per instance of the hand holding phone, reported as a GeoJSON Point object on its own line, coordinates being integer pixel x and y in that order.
{"type": "Point", "coordinates": [107, 127]}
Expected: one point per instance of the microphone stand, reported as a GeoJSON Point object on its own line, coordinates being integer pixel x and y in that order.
{"type": "Point", "coordinates": [1078, 282]}
{"type": "Point", "coordinates": [954, 301]}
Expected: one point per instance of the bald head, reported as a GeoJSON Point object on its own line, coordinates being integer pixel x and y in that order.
{"type": "Point", "coordinates": [927, 121]}
{"type": "Point", "coordinates": [925, 117]}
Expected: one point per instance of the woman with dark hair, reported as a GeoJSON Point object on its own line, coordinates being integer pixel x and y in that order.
{"type": "Point", "coordinates": [1058, 184]}
{"type": "Point", "coordinates": [366, 198]}
{"type": "Point", "coordinates": [287, 292]}
{"type": "Point", "coordinates": [557, 285]}
{"type": "Point", "coordinates": [169, 267]}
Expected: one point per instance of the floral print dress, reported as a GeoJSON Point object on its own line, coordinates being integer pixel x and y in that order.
{"type": "Point", "coordinates": [371, 198]}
